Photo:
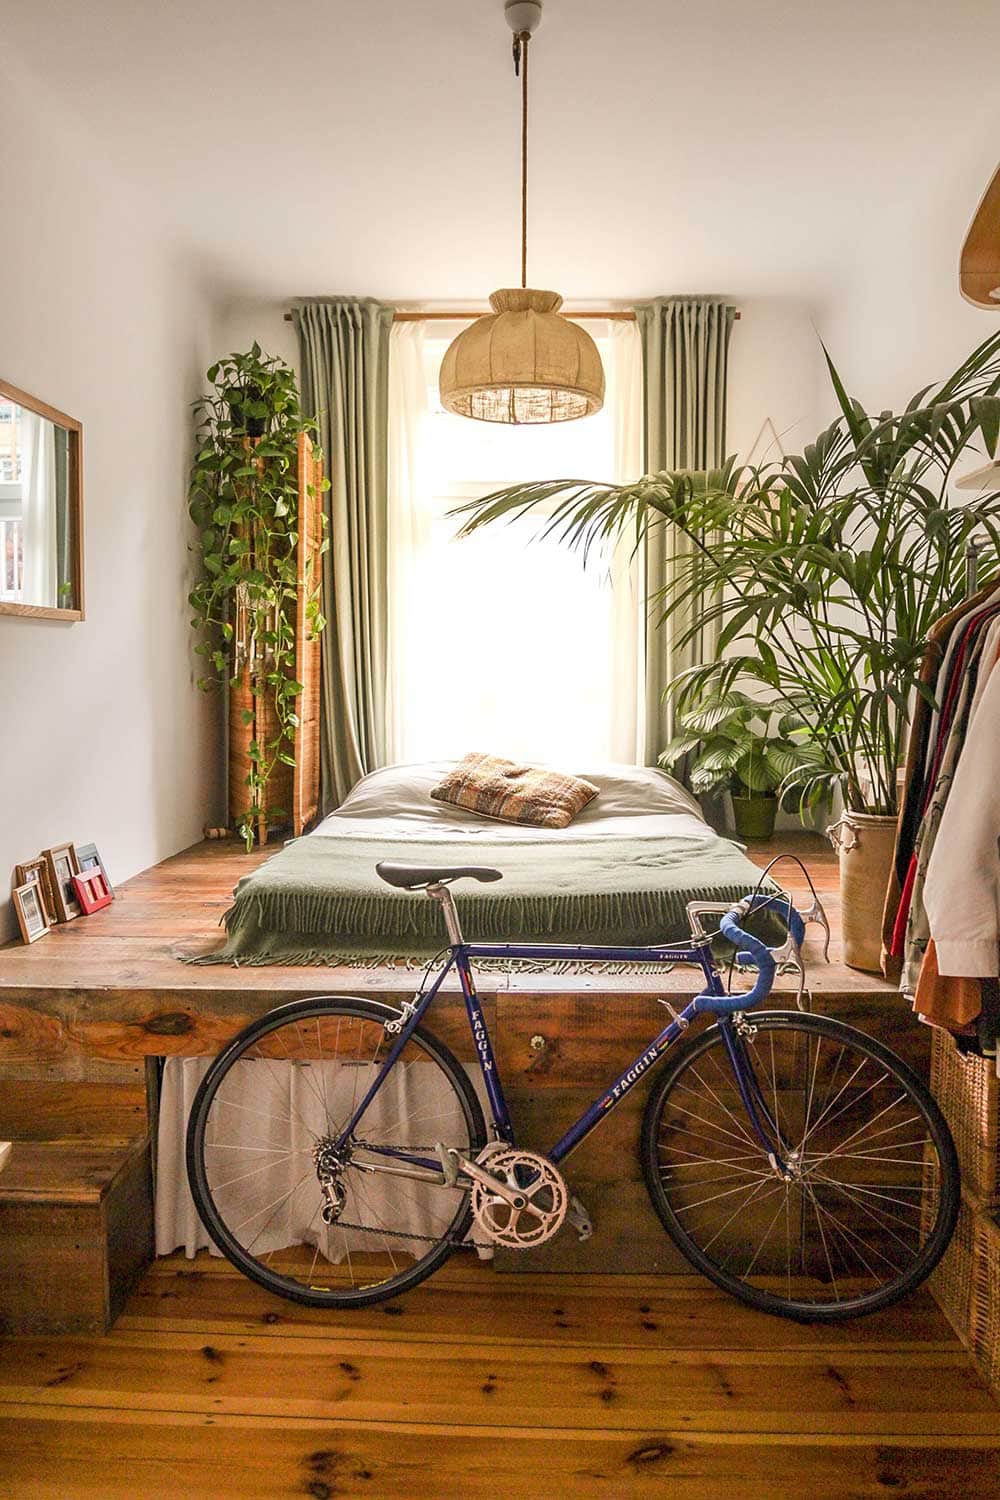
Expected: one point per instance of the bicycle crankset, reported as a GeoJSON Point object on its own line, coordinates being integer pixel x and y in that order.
{"type": "Point", "coordinates": [532, 1209]}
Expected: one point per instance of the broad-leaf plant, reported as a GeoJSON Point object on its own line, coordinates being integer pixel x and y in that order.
{"type": "Point", "coordinates": [732, 742]}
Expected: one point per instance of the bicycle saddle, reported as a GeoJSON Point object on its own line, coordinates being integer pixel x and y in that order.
{"type": "Point", "coordinates": [409, 877]}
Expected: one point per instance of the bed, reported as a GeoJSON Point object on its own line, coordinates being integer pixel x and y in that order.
{"type": "Point", "coordinates": [622, 872]}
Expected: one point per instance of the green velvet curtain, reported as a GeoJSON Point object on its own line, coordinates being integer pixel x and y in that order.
{"type": "Point", "coordinates": [685, 353]}
{"type": "Point", "coordinates": [344, 346]}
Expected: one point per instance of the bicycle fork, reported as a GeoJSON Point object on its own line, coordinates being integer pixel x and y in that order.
{"type": "Point", "coordinates": [736, 1032]}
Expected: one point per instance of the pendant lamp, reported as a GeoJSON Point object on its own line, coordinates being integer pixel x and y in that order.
{"type": "Point", "coordinates": [523, 362]}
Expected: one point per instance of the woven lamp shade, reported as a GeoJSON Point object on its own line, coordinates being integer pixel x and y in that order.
{"type": "Point", "coordinates": [523, 362]}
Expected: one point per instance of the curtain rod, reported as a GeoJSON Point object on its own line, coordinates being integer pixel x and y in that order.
{"type": "Point", "coordinates": [610, 315]}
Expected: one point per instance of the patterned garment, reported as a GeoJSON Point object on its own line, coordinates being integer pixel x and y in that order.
{"type": "Point", "coordinates": [514, 793]}
{"type": "Point", "coordinates": [951, 737]}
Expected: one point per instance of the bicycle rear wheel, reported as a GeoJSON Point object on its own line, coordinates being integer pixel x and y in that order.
{"type": "Point", "coordinates": [261, 1138]}
{"type": "Point", "coordinates": [873, 1194]}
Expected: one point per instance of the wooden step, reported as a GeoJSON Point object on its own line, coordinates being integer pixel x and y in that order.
{"type": "Point", "coordinates": [76, 1231]}
{"type": "Point", "coordinates": [59, 1109]}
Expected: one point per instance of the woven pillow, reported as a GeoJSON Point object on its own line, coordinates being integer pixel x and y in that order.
{"type": "Point", "coordinates": [515, 793]}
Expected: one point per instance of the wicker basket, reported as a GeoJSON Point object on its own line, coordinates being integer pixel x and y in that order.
{"type": "Point", "coordinates": [968, 1091]}
{"type": "Point", "coordinates": [984, 1312]}
{"type": "Point", "coordinates": [951, 1280]}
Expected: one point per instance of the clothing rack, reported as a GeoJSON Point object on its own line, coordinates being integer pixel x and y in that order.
{"type": "Point", "coordinates": [973, 547]}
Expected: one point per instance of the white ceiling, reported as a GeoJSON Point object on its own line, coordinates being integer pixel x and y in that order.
{"type": "Point", "coordinates": [320, 146]}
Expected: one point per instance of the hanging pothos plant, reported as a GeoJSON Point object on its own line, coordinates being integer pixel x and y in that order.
{"type": "Point", "coordinates": [244, 499]}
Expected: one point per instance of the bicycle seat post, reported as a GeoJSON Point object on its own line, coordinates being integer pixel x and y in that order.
{"type": "Point", "coordinates": [442, 895]}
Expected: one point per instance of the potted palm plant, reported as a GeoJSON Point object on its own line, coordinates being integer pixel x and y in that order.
{"type": "Point", "coordinates": [733, 743]}
{"type": "Point", "coordinates": [822, 574]}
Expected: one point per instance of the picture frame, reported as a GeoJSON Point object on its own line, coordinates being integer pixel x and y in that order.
{"type": "Point", "coordinates": [88, 858]}
{"type": "Point", "coordinates": [31, 915]}
{"type": "Point", "coordinates": [36, 872]}
{"type": "Point", "coordinates": [62, 866]}
{"type": "Point", "coordinates": [91, 890]}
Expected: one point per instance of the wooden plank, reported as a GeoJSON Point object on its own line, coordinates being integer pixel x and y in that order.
{"type": "Point", "coordinates": [62, 1172]}
{"type": "Point", "coordinates": [750, 1392]}
{"type": "Point", "coordinates": [466, 1300]}
{"type": "Point", "coordinates": [51, 1110]}
{"type": "Point", "coordinates": [50, 1451]}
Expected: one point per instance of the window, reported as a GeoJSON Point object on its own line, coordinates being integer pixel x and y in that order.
{"type": "Point", "coordinates": [503, 641]}
{"type": "Point", "coordinates": [11, 527]}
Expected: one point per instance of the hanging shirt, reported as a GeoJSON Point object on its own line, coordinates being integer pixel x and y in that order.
{"type": "Point", "coordinates": [962, 888]}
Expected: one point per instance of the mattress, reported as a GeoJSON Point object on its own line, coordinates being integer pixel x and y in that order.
{"type": "Point", "coordinates": [621, 873]}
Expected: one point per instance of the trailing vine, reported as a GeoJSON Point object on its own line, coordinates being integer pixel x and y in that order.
{"type": "Point", "coordinates": [244, 499]}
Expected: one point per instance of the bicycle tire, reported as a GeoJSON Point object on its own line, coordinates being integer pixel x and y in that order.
{"type": "Point", "coordinates": [910, 1227]}
{"type": "Point", "coordinates": [213, 1115]}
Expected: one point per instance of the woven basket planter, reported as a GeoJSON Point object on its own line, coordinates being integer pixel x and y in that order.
{"type": "Point", "coordinates": [984, 1316]}
{"type": "Point", "coordinates": [968, 1092]}
{"type": "Point", "coordinates": [951, 1280]}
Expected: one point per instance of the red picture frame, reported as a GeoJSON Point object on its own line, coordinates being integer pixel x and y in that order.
{"type": "Point", "coordinates": [92, 890]}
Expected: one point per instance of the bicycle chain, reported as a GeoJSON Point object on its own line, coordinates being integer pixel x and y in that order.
{"type": "Point", "coordinates": [400, 1234]}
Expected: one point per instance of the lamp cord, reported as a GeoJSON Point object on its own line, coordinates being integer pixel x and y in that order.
{"type": "Point", "coordinates": [524, 39]}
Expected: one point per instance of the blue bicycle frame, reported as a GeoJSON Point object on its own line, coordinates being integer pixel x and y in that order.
{"type": "Point", "coordinates": [712, 998]}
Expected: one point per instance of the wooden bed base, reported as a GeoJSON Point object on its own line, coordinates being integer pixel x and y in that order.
{"type": "Point", "coordinates": [100, 995]}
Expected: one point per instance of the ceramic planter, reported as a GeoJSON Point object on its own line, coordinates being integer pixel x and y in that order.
{"type": "Point", "coordinates": [754, 816]}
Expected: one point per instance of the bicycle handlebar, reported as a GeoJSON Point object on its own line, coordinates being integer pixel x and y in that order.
{"type": "Point", "coordinates": [754, 950]}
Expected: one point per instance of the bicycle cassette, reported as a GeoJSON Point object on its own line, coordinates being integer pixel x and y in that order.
{"type": "Point", "coordinates": [541, 1194]}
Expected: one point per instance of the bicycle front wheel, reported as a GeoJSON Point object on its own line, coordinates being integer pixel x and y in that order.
{"type": "Point", "coordinates": [870, 1194]}
{"type": "Point", "coordinates": [308, 1221]}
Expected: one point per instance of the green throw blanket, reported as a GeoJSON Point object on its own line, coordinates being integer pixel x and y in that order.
{"type": "Point", "coordinates": [319, 901]}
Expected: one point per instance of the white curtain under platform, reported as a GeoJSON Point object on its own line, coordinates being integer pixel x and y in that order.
{"type": "Point", "coordinates": [287, 1105]}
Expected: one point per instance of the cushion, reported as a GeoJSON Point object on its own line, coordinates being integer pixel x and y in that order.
{"type": "Point", "coordinates": [513, 792]}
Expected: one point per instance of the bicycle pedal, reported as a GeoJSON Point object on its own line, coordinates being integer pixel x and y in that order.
{"type": "Point", "coordinates": [579, 1218]}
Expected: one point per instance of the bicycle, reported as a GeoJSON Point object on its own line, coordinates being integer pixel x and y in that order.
{"type": "Point", "coordinates": [797, 1163]}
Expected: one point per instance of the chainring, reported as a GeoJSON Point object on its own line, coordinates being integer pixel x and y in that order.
{"type": "Point", "coordinates": [543, 1189]}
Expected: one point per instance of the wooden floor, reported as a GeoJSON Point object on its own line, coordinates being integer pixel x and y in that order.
{"type": "Point", "coordinates": [479, 1385]}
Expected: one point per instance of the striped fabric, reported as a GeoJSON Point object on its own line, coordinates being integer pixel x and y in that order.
{"type": "Point", "coordinates": [514, 793]}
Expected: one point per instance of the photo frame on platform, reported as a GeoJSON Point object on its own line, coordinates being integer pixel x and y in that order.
{"type": "Point", "coordinates": [88, 858]}
{"type": "Point", "coordinates": [62, 866]}
{"type": "Point", "coordinates": [31, 916]}
{"type": "Point", "coordinates": [36, 872]}
{"type": "Point", "coordinates": [91, 889]}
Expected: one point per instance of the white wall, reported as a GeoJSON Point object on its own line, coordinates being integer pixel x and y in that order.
{"type": "Point", "coordinates": [103, 735]}
{"type": "Point", "coordinates": [898, 321]}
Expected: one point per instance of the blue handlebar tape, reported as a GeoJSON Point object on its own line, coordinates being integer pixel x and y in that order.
{"type": "Point", "coordinates": [749, 948]}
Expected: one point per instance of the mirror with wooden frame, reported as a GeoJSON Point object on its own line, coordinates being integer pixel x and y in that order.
{"type": "Point", "coordinates": [41, 509]}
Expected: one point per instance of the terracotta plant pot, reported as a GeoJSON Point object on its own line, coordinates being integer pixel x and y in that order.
{"type": "Point", "coordinates": [754, 816]}
{"type": "Point", "coordinates": [865, 843]}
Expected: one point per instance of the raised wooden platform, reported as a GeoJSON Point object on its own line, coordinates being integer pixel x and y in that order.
{"type": "Point", "coordinates": [114, 986]}
{"type": "Point", "coordinates": [536, 1388]}
{"type": "Point", "coordinates": [101, 995]}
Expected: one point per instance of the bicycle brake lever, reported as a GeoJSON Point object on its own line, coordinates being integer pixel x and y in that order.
{"type": "Point", "coordinates": [818, 915]}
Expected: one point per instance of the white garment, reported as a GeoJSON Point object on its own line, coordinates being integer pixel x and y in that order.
{"type": "Point", "coordinates": [962, 892]}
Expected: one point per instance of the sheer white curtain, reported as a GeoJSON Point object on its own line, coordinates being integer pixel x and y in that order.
{"type": "Point", "coordinates": [38, 511]}
{"type": "Point", "coordinates": [505, 641]}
